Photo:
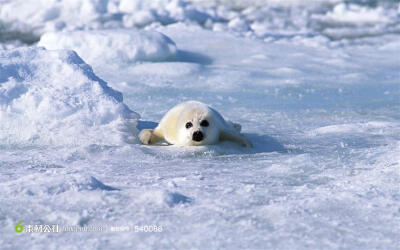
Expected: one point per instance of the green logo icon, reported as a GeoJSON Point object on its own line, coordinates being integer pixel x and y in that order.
{"type": "Point", "coordinates": [19, 228]}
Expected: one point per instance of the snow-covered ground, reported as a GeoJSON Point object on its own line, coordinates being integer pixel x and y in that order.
{"type": "Point", "coordinates": [314, 84]}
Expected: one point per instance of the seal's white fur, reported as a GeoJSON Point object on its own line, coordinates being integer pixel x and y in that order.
{"type": "Point", "coordinates": [172, 127]}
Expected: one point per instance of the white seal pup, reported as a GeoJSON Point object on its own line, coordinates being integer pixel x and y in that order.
{"type": "Point", "coordinates": [193, 123]}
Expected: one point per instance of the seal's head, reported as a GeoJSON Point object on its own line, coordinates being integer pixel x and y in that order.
{"type": "Point", "coordinates": [197, 126]}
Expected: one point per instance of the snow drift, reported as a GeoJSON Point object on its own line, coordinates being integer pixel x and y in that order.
{"type": "Point", "coordinates": [113, 47]}
{"type": "Point", "coordinates": [53, 97]}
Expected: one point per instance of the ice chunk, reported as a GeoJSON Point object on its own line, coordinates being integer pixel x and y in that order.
{"type": "Point", "coordinates": [53, 97]}
{"type": "Point", "coordinates": [113, 47]}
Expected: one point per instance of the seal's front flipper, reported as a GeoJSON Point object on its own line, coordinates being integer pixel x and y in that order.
{"type": "Point", "coordinates": [236, 137]}
{"type": "Point", "coordinates": [147, 137]}
{"type": "Point", "coordinates": [235, 126]}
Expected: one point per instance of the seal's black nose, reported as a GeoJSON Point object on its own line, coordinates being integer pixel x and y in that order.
{"type": "Point", "coordinates": [197, 136]}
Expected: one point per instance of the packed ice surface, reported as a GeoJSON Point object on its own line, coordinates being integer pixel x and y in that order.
{"type": "Point", "coordinates": [322, 112]}
{"type": "Point", "coordinates": [53, 97]}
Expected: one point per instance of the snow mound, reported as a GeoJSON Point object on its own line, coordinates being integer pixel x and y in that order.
{"type": "Point", "coordinates": [113, 47]}
{"type": "Point", "coordinates": [53, 97]}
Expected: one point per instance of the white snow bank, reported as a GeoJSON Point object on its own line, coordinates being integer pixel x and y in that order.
{"type": "Point", "coordinates": [113, 47]}
{"type": "Point", "coordinates": [53, 97]}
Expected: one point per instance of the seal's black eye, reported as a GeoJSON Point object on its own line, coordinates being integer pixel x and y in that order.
{"type": "Point", "coordinates": [204, 123]}
{"type": "Point", "coordinates": [188, 125]}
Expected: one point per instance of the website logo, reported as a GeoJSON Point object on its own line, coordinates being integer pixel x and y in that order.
{"type": "Point", "coordinates": [19, 228]}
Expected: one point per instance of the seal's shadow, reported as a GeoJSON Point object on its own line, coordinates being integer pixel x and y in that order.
{"type": "Point", "coordinates": [146, 125]}
{"type": "Point", "coordinates": [261, 143]}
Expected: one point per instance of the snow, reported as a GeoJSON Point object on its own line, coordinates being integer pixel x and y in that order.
{"type": "Point", "coordinates": [53, 97]}
{"type": "Point", "coordinates": [368, 127]}
{"type": "Point", "coordinates": [315, 86]}
{"type": "Point", "coordinates": [112, 47]}
{"type": "Point", "coordinates": [271, 20]}
{"type": "Point", "coordinates": [355, 14]}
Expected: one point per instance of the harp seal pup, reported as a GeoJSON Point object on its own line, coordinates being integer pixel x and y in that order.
{"type": "Point", "coordinates": [193, 123]}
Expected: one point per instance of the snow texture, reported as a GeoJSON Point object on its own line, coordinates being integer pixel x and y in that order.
{"type": "Point", "coordinates": [335, 22]}
{"type": "Point", "coordinates": [53, 97]}
{"type": "Point", "coordinates": [314, 84]}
